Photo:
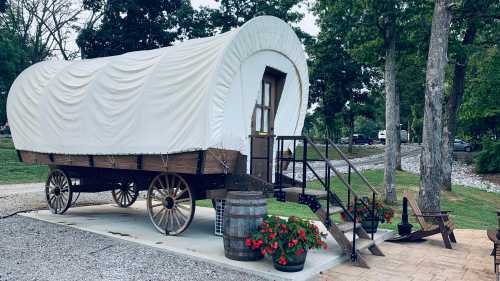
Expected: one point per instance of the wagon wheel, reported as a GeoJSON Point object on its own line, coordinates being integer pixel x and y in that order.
{"type": "Point", "coordinates": [170, 203]}
{"type": "Point", "coordinates": [126, 194]}
{"type": "Point", "coordinates": [58, 192]}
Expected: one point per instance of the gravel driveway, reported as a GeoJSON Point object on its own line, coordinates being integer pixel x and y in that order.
{"type": "Point", "coordinates": [37, 250]}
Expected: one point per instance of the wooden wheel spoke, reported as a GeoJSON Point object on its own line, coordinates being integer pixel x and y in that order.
{"type": "Point", "coordinates": [181, 213]}
{"type": "Point", "coordinates": [159, 212]}
{"type": "Point", "coordinates": [172, 183]}
{"type": "Point", "coordinates": [184, 200]}
{"type": "Point", "coordinates": [159, 191]}
{"type": "Point", "coordinates": [163, 216]}
{"type": "Point", "coordinates": [184, 207]}
{"type": "Point", "coordinates": [180, 194]}
{"type": "Point", "coordinates": [176, 216]}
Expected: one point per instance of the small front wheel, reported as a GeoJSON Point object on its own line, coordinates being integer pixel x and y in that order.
{"type": "Point", "coordinates": [126, 194]}
{"type": "Point", "coordinates": [58, 192]}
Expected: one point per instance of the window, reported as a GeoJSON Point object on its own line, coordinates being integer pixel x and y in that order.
{"type": "Point", "coordinates": [263, 108]}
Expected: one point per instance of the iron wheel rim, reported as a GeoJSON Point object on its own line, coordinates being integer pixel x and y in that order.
{"type": "Point", "coordinates": [170, 203]}
{"type": "Point", "coordinates": [58, 192]}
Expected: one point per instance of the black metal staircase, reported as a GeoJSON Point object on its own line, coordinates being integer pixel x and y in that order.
{"type": "Point", "coordinates": [325, 201]}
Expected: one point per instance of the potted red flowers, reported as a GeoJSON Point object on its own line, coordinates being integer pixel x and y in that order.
{"type": "Point", "coordinates": [286, 241]}
{"type": "Point", "coordinates": [364, 214]}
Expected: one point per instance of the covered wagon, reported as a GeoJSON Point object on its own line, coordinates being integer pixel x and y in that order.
{"type": "Point", "coordinates": [175, 121]}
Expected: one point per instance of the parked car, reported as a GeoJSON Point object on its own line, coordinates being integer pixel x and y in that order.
{"type": "Point", "coordinates": [357, 139]}
{"type": "Point", "coordinates": [460, 145]}
{"type": "Point", "coordinates": [404, 136]}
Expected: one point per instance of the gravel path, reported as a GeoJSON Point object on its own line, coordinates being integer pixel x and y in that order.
{"type": "Point", "coordinates": [36, 250]}
{"type": "Point", "coordinates": [462, 174]}
{"type": "Point", "coordinates": [372, 162]}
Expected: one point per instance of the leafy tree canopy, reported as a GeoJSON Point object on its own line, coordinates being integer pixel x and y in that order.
{"type": "Point", "coordinates": [131, 25]}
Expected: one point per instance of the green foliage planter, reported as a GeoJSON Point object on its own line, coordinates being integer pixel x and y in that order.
{"type": "Point", "coordinates": [371, 226]}
{"type": "Point", "coordinates": [369, 219]}
{"type": "Point", "coordinates": [286, 241]}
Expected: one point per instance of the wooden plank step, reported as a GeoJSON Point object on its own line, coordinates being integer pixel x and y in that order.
{"type": "Point", "coordinates": [335, 210]}
{"type": "Point", "coordinates": [363, 243]}
{"type": "Point", "coordinates": [347, 226]}
{"type": "Point", "coordinates": [292, 193]}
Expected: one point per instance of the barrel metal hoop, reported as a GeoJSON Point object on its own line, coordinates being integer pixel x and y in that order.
{"type": "Point", "coordinates": [246, 216]}
{"type": "Point", "coordinates": [231, 204]}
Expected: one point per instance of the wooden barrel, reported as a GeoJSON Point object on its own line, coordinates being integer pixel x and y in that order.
{"type": "Point", "coordinates": [243, 212]}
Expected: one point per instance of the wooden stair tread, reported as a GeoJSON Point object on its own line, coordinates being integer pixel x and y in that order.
{"type": "Point", "coordinates": [320, 194]}
{"type": "Point", "coordinates": [347, 226]}
{"type": "Point", "coordinates": [363, 243]}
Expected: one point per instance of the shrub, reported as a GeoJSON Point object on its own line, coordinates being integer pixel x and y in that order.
{"type": "Point", "coordinates": [488, 160]}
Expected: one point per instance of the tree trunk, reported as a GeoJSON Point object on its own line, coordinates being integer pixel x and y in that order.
{"type": "Point", "coordinates": [430, 160]}
{"type": "Point", "coordinates": [351, 133]}
{"type": "Point", "coordinates": [454, 102]}
{"type": "Point", "coordinates": [398, 133]}
{"type": "Point", "coordinates": [390, 113]}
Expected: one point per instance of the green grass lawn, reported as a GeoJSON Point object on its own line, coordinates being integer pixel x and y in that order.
{"type": "Point", "coordinates": [471, 208]}
{"type": "Point", "coordinates": [358, 151]}
{"type": "Point", "coordinates": [13, 171]}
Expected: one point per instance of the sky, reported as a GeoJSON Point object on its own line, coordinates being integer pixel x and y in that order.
{"type": "Point", "coordinates": [307, 24]}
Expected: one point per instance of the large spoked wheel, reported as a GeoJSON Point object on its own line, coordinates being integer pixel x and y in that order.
{"type": "Point", "coordinates": [58, 192]}
{"type": "Point", "coordinates": [170, 203]}
{"type": "Point", "coordinates": [126, 194]}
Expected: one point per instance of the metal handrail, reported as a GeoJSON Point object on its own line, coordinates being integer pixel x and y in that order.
{"type": "Point", "coordinates": [352, 166]}
{"type": "Point", "coordinates": [337, 173]}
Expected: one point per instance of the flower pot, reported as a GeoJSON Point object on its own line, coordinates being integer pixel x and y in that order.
{"type": "Point", "coordinates": [294, 264]}
{"type": "Point", "coordinates": [369, 225]}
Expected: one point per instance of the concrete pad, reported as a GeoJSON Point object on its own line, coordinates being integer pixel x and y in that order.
{"type": "Point", "coordinates": [132, 224]}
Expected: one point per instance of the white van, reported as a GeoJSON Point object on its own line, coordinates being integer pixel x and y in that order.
{"type": "Point", "coordinates": [403, 133]}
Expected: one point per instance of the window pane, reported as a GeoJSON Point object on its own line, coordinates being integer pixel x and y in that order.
{"type": "Point", "coordinates": [259, 96]}
{"type": "Point", "coordinates": [258, 115]}
{"type": "Point", "coordinates": [267, 94]}
{"type": "Point", "coordinates": [266, 121]}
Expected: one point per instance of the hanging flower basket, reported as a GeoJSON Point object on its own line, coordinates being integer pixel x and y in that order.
{"type": "Point", "coordinates": [286, 241]}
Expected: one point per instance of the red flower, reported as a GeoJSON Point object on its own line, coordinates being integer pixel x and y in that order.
{"type": "Point", "coordinates": [290, 245]}
{"type": "Point", "coordinates": [263, 230]}
{"type": "Point", "coordinates": [271, 236]}
{"type": "Point", "coordinates": [302, 234]}
{"type": "Point", "coordinates": [275, 245]}
{"type": "Point", "coordinates": [295, 241]}
{"type": "Point", "coordinates": [299, 252]}
{"type": "Point", "coordinates": [283, 260]}
{"type": "Point", "coordinates": [263, 251]}
{"type": "Point", "coordinates": [248, 242]}
{"type": "Point", "coordinates": [270, 230]}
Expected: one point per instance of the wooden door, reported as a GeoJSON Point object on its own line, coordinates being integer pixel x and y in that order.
{"type": "Point", "coordinates": [263, 128]}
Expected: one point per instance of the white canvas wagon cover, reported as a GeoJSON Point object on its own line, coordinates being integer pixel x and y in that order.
{"type": "Point", "coordinates": [196, 95]}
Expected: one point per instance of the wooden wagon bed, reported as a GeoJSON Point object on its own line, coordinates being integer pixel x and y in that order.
{"type": "Point", "coordinates": [202, 162]}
